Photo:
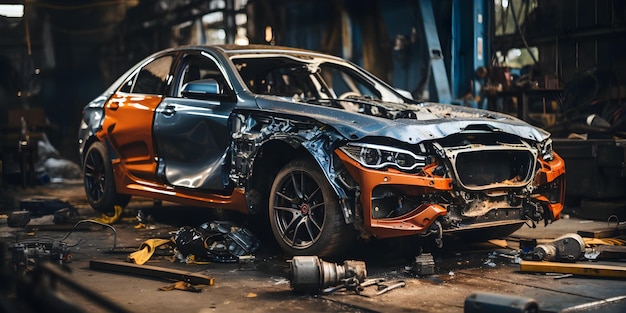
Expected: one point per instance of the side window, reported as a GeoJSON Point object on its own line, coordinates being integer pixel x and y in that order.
{"type": "Point", "coordinates": [197, 67]}
{"type": "Point", "coordinates": [127, 86]}
{"type": "Point", "coordinates": [152, 78]}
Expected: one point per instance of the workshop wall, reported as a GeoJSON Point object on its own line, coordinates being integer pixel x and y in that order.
{"type": "Point", "coordinates": [67, 53]}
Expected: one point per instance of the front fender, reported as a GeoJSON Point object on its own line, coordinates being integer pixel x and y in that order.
{"type": "Point", "coordinates": [253, 130]}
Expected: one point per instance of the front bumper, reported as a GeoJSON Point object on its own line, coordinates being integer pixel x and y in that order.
{"type": "Point", "coordinates": [417, 217]}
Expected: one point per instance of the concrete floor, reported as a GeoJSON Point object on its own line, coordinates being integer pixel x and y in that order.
{"type": "Point", "coordinates": [461, 268]}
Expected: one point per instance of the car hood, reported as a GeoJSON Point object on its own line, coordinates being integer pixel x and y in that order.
{"type": "Point", "coordinates": [417, 123]}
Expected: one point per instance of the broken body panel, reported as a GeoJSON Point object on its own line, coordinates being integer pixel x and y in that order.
{"type": "Point", "coordinates": [396, 166]}
{"type": "Point", "coordinates": [393, 203]}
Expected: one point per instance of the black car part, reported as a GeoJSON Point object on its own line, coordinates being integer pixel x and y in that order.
{"type": "Point", "coordinates": [217, 241]}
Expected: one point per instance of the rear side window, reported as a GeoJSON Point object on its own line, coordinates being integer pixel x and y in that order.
{"type": "Point", "coordinates": [152, 78]}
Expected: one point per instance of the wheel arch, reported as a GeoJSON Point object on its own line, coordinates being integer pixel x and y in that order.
{"type": "Point", "coordinates": [100, 183]}
{"type": "Point", "coordinates": [264, 143]}
{"type": "Point", "coordinates": [111, 155]}
{"type": "Point", "coordinates": [87, 144]}
{"type": "Point", "coordinates": [275, 154]}
{"type": "Point", "coordinates": [269, 160]}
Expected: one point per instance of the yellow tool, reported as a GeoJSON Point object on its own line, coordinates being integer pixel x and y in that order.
{"type": "Point", "coordinates": [583, 269]}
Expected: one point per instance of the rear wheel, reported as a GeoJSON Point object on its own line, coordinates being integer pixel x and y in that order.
{"type": "Point", "coordinates": [99, 181]}
{"type": "Point", "coordinates": [304, 212]}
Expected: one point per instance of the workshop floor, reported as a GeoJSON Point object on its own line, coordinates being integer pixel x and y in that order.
{"type": "Point", "coordinates": [461, 268]}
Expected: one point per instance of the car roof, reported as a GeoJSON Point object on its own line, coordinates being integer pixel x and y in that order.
{"type": "Point", "coordinates": [232, 50]}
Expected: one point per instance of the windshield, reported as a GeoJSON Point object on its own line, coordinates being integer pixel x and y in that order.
{"type": "Point", "coordinates": [313, 80]}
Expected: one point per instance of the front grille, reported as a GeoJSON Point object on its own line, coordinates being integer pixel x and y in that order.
{"type": "Point", "coordinates": [494, 168]}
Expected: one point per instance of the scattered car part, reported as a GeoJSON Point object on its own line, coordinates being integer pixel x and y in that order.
{"type": "Point", "coordinates": [217, 241]}
{"type": "Point", "coordinates": [352, 284]}
{"type": "Point", "coordinates": [226, 242]}
{"type": "Point", "coordinates": [189, 241]}
{"type": "Point", "coordinates": [65, 215]}
{"type": "Point", "coordinates": [310, 274]}
{"type": "Point", "coordinates": [605, 252]}
{"type": "Point", "coordinates": [55, 251]}
{"type": "Point", "coordinates": [24, 253]}
{"type": "Point", "coordinates": [569, 247]}
{"type": "Point", "coordinates": [41, 206]}
{"type": "Point", "coordinates": [424, 264]}
{"type": "Point", "coordinates": [527, 245]}
{"type": "Point", "coordinates": [18, 218]}
{"type": "Point", "coordinates": [484, 302]}
{"type": "Point", "coordinates": [381, 287]}
{"type": "Point", "coordinates": [582, 269]}
{"type": "Point", "coordinates": [386, 288]}
{"type": "Point", "coordinates": [361, 288]}
{"type": "Point", "coordinates": [152, 271]}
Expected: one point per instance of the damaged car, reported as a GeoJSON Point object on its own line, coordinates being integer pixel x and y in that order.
{"type": "Point", "coordinates": [322, 150]}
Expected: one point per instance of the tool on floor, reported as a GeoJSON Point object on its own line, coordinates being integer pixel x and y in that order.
{"type": "Point", "coordinates": [361, 289]}
{"type": "Point", "coordinates": [582, 269]}
{"type": "Point", "coordinates": [310, 274]}
{"type": "Point", "coordinates": [569, 247]}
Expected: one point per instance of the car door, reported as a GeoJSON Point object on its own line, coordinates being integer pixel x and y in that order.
{"type": "Point", "coordinates": [191, 135]}
{"type": "Point", "coordinates": [129, 115]}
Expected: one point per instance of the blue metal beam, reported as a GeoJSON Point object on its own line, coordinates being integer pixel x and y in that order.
{"type": "Point", "coordinates": [470, 46]}
{"type": "Point", "coordinates": [437, 65]}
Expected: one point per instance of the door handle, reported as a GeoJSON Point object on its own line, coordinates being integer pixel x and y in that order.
{"type": "Point", "coordinates": [169, 110]}
{"type": "Point", "coordinates": [114, 104]}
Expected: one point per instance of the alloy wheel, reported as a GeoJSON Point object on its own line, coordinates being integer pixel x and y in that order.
{"type": "Point", "coordinates": [299, 209]}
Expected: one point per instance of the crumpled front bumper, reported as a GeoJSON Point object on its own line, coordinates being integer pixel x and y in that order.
{"type": "Point", "coordinates": [549, 181]}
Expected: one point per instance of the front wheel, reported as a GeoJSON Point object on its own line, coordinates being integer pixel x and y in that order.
{"type": "Point", "coordinates": [99, 181]}
{"type": "Point", "coordinates": [304, 212]}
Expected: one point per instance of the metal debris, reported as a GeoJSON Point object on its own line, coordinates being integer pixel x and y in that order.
{"type": "Point", "coordinates": [34, 252]}
{"type": "Point", "coordinates": [216, 241]}
{"type": "Point", "coordinates": [152, 271]}
{"type": "Point", "coordinates": [424, 264]}
{"type": "Point", "coordinates": [569, 247]}
{"type": "Point", "coordinates": [43, 206]}
{"type": "Point", "coordinates": [18, 218]}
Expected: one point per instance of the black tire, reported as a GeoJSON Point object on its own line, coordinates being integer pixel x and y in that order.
{"type": "Point", "coordinates": [304, 212]}
{"type": "Point", "coordinates": [99, 181]}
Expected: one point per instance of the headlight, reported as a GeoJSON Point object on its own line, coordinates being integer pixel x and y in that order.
{"type": "Point", "coordinates": [377, 156]}
{"type": "Point", "coordinates": [546, 150]}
